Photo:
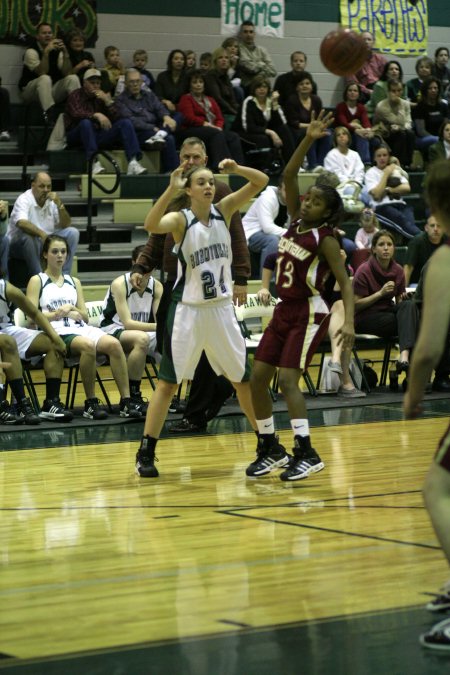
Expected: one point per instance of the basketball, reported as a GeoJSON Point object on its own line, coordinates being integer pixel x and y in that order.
{"type": "Point", "coordinates": [343, 52]}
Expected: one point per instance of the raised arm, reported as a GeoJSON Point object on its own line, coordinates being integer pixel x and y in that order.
{"type": "Point", "coordinates": [257, 180]}
{"type": "Point", "coordinates": [316, 129]}
{"type": "Point", "coordinates": [158, 223]}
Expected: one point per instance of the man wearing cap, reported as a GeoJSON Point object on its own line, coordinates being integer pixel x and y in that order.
{"type": "Point", "coordinates": [92, 120]}
{"type": "Point", "coordinates": [46, 74]}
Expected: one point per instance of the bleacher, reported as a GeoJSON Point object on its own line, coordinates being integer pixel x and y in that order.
{"type": "Point", "coordinates": [117, 217]}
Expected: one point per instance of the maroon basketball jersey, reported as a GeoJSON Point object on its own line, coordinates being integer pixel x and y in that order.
{"type": "Point", "coordinates": [300, 273]}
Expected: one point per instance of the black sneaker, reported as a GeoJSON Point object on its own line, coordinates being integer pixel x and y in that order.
{"type": "Point", "coordinates": [145, 462]}
{"type": "Point", "coordinates": [303, 463]}
{"type": "Point", "coordinates": [129, 408]}
{"type": "Point", "coordinates": [268, 459]}
{"type": "Point", "coordinates": [441, 600]}
{"type": "Point", "coordinates": [93, 411]}
{"type": "Point", "coordinates": [142, 403]}
{"type": "Point", "coordinates": [54, 410]}
{"type": "Point", "coordinates": [184, 426]}
{"type": "Point", "coordinates": [177, 406]}
{"type": "Point", "coordinates": [7, 415]}
{"type": "Point", "coordinates": [438, 637]}
{"type": "Point", "coordinates": [26, 412]}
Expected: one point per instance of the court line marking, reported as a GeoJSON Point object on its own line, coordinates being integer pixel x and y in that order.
{"type": "Point", "coordinates": [216, 509]}
{"type": "Point", "coordinates": [331, 530]}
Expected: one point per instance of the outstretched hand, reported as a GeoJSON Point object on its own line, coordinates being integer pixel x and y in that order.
{"type": "Point", "coordinates": [318, 128]}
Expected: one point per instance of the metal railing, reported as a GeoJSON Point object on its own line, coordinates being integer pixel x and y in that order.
{"type": "Point", "coordinates": [93, 243]}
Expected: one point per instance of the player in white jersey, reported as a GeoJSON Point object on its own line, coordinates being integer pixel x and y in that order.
{"type": "Point", "coordinates": [18, 342]}
{"type": "Point", "coordinates": [60, 298]}
{"type": "Point", "coordinates": [201, 315]}
{"type": "Point", "coordinates": [129, 314]}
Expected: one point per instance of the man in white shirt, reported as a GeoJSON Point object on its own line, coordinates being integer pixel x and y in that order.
{"type": "Point", "coordinates": [265, 222]}
{"type": "Point", "coordinates": [37, 213]}
{"type": "Point", "coordinates": [46, 74]}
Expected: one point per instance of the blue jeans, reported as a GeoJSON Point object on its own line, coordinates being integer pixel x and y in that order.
{"type": "Point", "coordinates": [263, 244]}
{"type": "Point", "coordinates": [169, 156]}
{"type": "Point", "coordinates": [398, 217]}
{"type": "Point", "coordinates": [28, 248]}
{"type": "Point", "coordinates": [92, 138]}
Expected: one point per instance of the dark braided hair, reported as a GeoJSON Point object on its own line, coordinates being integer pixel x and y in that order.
{"type": "Point", "coordinates": [334, 203]}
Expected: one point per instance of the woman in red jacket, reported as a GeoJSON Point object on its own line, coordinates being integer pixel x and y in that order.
{"type": "Point", "coordinates": [353, 116]}
{"type": "Point", "coordinates": [203, 118]}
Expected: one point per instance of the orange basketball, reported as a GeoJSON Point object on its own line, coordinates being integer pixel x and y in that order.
{"type": "Point", "coordinates": [343, 52]}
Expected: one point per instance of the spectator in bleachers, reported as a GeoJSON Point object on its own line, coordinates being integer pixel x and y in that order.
{"type": "Point", "coordinates": [367, 76]}
{"type": "Point", "coordinates": [80, 59]}
{"type": "Point", "coordinates": [231, 44]}
{"type": "Point", "coordinates": [205, 62]}
{"type": "Point", "coordinates": [129, 314]}
{"type": "Point", "coordinates": [386, 185]}
{"type": "Point", "coordinates": [91, 119]}
{"type": "Point", "coordinates": [114, 66]}
{"type": "Point", "coordinates": [253, 60]}
{"type": "Point", "coordinates": [352, 115]}
{"type": "Point", "coordinates": [441, 149]}
{"type": "Point", "coordinates": [424, 68]}
{"type": "Point", "coordinates": [341, 160]}
{"type": "Point", "coordinates": [298, 112]}
{"type": "Point", "coordinates": [173, 82]}
{"type": "Point", "coordinates": [140, 60]}
{"type": "Point", "coordinates": [5, 113]}
{"type": "Point", "coordinates": [369, 225]}
{"type": "Point", "coordinates": [151, 120]}
{"type": "Point", "coordinates": [4, 241]}
{"type": "Point", "coordinates": [421, 248]}
{"type": "Point", "coordinates": [441, 69]}
{"type": "Point", "coordinates": [266, 221]}
{"type": "Point", "coordinates": [46, 73]}
{"type": "Point", "coordinates": [286, 84]}
{"type": "Point", "coordinates": [219, 86]}
{"type": "Point", "coordinates": [37, 213]}
{"type": "Point", "coordinates": [381, 307]}
{"type": "Point", "coordinates": [203, 117]}
{"type": "Point", "coordinates": [391, 71]}
{"type": "Point", "coordinates": [60, 298]}
{"type": "Point", "coordinates": [394, 112]}
{"type": "Point", "coordinates": [191, 59]}
{"type": "Point", "coordinates": [261, 120]}
{"type": "Point", "coordinates": [429, 114]}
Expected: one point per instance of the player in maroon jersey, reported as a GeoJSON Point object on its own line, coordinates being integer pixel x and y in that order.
{"type": "Point", "coordinates": [308, 263]}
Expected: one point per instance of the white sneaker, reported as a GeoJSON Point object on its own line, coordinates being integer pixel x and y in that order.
{"type": "Point", "coordinates": [4, 136]}
{"type": "Point", "coordinates": [160, 135]}
{"type": "Point", "coordinates": [135, 168]}
{"type": "Point", "coordinates": [97, 168]}
{"type": "Point", "coordinates": [155, 142]}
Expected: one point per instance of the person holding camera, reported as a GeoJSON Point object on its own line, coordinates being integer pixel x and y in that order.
{"type": "Point", "coordinates": [46, 76]}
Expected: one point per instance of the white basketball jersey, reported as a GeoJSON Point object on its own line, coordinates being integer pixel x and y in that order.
{"type": "Point", "coordinates": [52, 296]}
{"type": "Point", "coordinates": [140, 306]}
{"type": "Point", "coordinates": [204, 261]}
{"type": "Point", "coordinates": [6, 309]}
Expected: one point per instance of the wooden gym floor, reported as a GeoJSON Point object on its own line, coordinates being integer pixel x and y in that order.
{"type": "Point", "coordinates": [206, 572]}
